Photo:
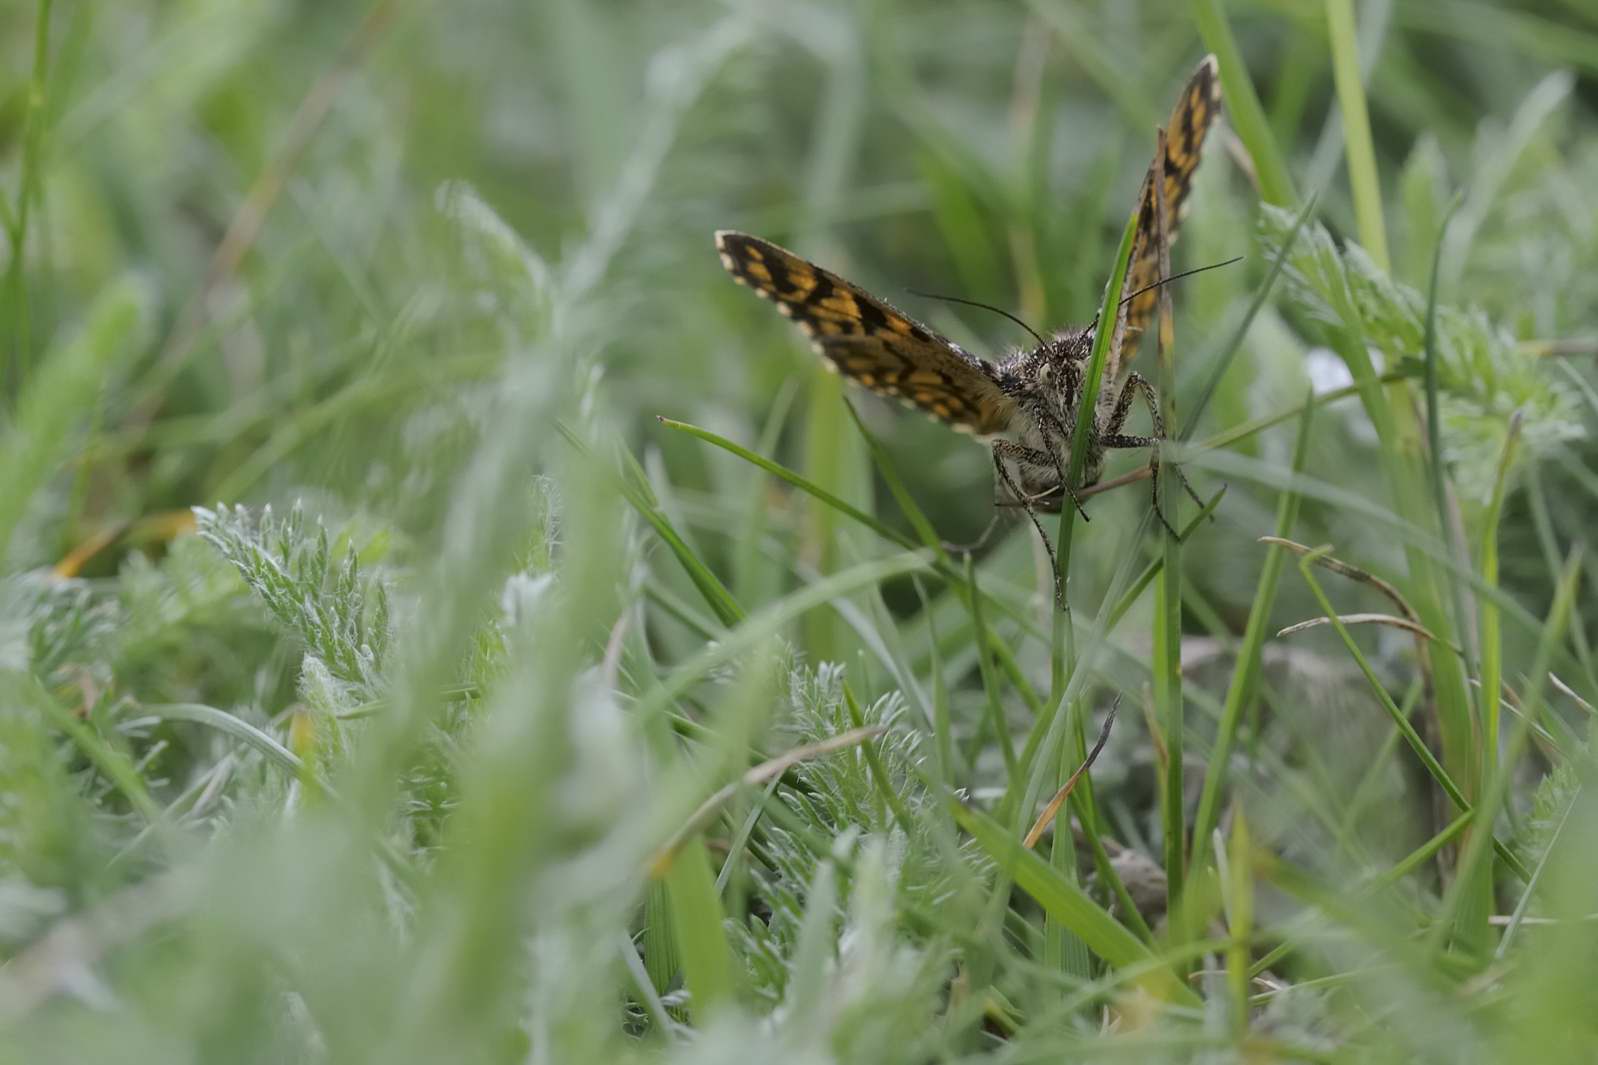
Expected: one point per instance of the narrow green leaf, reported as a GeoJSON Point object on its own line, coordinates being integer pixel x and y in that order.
{"type": "Point", "coordinates": [64, 389]}
{"type": "Point", "coordinates": [226, 723]}
{"type": "Point", "coordinates": [25, 689]}
{"type": "Point", "coordinates": [1065, 901]}
{"type": "Point", "coordinates": [1245, 669]}
{"type": "Point", "coordinates": [696, 919]}
{"type": "Point", "coordinates": [1246, 115]}
{"type": "Point", "coordinates": [1361, 151]}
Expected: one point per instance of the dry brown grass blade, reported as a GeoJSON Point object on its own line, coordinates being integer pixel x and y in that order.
{"type": "Point", "coordinates": [1565, 690]}
{"type": "Point", "coordinates": [1560, 347]}
{"type": "Point", "coordinates": [162, 527]}
{"type": "Point", "coordinates": [755, 776]}
{"type": "Point", "coordinates": [1052, 810]}
{"type": "Point", "coordinates": [1364, 619]}
{"type": "Point", "coordinates": [1353, 573]}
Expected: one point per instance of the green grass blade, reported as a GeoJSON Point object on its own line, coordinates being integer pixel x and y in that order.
{"type": "Point", "coordinates": [1229, 350]}
{"type": "Point", "coordinates": [60, 392]}
{"type": "Point", "coordinates": [1247, 117]}
{"type": "Point", "coordinates": [768, 621]}
{"type": "Point", "coordinates": [1473, 860]}
{"type": "Point", "coordinates": [1240, 691]}
{"type": "Point", "coordinates": [1362, 177]}
{"type": "Point", "coordinates": [227, 724]}
{"type": "Point", "coordinates": [1491, 631]}
{"type": "Point", "coordinates": [1063, 900]}
{"type": "Point", "coordinates": [633, 484]}
{"type": "Point", "coordinates": [1418, 745]}
{"type": "Point", "coordinates": [696, 918]}
{"type": "Point", "coordinates": [113, 764]}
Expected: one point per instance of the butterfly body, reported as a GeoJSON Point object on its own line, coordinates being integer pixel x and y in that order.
{"type": "Point", "coordinates": [1046, 384]}
{"type": "Point", "coordinates": [1025, 406]}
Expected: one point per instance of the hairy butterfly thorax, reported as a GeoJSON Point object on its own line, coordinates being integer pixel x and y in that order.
{"type": "Point", "coordinates": [1026, 406]}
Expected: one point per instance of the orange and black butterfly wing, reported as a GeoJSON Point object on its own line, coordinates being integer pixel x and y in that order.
{"type": "Point", "coordinates": [869, 341]}
{"type": "Point", "coordinates": [1195, 112]}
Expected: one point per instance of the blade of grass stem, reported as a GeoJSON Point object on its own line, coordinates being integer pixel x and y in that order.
{"type": "Point", "coordinates": [1245, 670]}
{"type": "Point", "coordinates": [113, 764]}
{"type": "Point", "coordinates": [634, 487]}
{"type": "Point", "coordinates": [1446, 526]}
{"type": "Point", "coordinates": [1361, 151]}
{"type": "Point", "coordinates": [1064, 900]}
{"type": "Point", "coordinates": [1231, 348]}
{"type": "Point", "coordinates": [1246, 116]}
{"type": "Point", "coordinates": [769, 620]}
{"type": "Point", "coordinates": [1062, 659]}
{"type": "Point", "coordinates": [1240, 923]}
{"type": "Point", "coordinates": [1492, 651]}
{"type": "Point", "coordinates": [696, 917]}
{"type": "Point", "coordinates": [1168, 591]}
{"type": "Point", "coordinates": [226, 723]}
{"type": "Point", "coordinates": [1433, 766]}
{"type": "Point", "coordinates": [1475, 850]}
{"type": "Point", "coordinates": [990, 686]}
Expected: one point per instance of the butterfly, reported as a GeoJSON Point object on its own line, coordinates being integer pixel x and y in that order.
{"type": "Point", "coordinates": [1026, 406]}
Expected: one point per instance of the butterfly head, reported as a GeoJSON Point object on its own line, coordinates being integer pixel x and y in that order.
{"type": "Point", "coordinates": [1073, 344]}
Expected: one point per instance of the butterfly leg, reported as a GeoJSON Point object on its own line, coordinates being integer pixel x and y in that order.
{"type": "Point", "coordinates": [1020, 454]}
{"type": "Point", "coordinates": [1113, 437]}
{"type": "Point", "coordinates": [1003, 449]}
{"type": "Point", "coordinates": [1054, 441]}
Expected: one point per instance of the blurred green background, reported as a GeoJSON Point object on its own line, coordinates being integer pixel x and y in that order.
{"type": "Point", "coordinates": [423, 277]}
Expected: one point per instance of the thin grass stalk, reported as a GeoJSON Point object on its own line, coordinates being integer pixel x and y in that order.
{"type": "Point", "coordinates": [1062, 647]}
{"type": "Point", "coordinates": [1492, 651]}
{"type": "Point", "coordinates": [990, 685]}
{"type": "Point", "coordinates": [1436, 769]}
{"type": "Point", "coordinates": [942, 725]}
{"type": "Point", "coordinates": [1361, 150]}
{"type": "Point", "coordinates": [1247, 117]}
{"type": "Point", "coordinates": [1245, 670]}
{"type": "Point", "coordinates": [1447, 527]}
{"type": "Point", "coordinates": [29, 188]}
{"type": "Point", "coordinates": [1240, 924]}
{"type": "Point", "coordinates": [1401, 448]}
{"type": "Point", "coordinates": [1168, 592]}
{"type": "Point", "coordinates": [1472, 862]}
{"type": "Point", "coordinates": [696, 919]}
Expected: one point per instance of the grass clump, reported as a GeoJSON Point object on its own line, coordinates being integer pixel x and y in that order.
{"type": "Point", "coordinates": [390, 671]}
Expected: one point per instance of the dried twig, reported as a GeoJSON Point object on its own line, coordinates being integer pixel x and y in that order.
{"type": "Point", "coordinates": [1406, 624]}
{"type": "Point", "coordinates": [1353, 573]}
{"type": "Point", "coordinates": [660, 861]}
{"type": "Point", "coordinates": [1559, 347]}
{"type": "Point", "coordinates": [1565, 689]}
{"type": "Point", "coordinates": [1053, 808]}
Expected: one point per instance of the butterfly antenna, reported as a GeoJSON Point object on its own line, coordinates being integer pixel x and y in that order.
{"type": "Point", "coordinates": [1178, 277]}
{"type": "Point", "coordinates": [984, 306]}
{"type": "Point", "coordinates": [1168, 280]}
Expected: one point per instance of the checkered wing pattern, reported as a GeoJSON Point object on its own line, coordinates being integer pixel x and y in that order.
{"type": "Point", "coordinates": [869, 341]}
{"type": "Point", "coordinates": [1184, 146]}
